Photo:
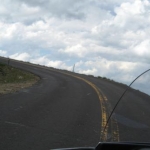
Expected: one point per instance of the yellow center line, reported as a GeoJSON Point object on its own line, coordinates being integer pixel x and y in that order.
{"type": "Point", "coordinates": [103, 109]}
{"type": "Point", "coordinates": [101, 97]}
{"type": "Point", "coordinates": [103, 101]}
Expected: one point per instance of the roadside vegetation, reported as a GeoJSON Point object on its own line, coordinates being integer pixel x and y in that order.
{"type": "Point", "coordinates": [13, 79]}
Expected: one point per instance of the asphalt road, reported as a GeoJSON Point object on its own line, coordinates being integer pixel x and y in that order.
{"type": "Point", "coordinates": [69, 110]}
{"type": "Point", "coordinates": [58, 111]}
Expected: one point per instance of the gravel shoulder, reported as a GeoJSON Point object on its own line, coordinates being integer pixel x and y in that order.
{"type": "Point", "coordinates": [13, 87]}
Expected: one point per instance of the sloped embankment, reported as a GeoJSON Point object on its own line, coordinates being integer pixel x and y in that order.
{"type": "Point", "coordinates": [13, 79]}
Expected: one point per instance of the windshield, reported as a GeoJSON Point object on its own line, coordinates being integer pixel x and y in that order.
{"type": "Point", "coordinates": [132, 114]}
{"type": "Point", "coordinates": [64, 64]}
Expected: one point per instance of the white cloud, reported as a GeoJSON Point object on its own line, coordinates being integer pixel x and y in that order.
{"type": "Point", "coordinates": [77, 50]}
{"type": "Point", "coordinates": [50, 63]}
{"type": "Point", "coordinates": [22, 56]}
{"type": "Point", "coordinates": [143, 48]}
{"type": "Point", "coordinates": [121, 71]}
{"type": "Point", "coordinates": [78, 64]}
{"type": "Point", "coordinates": [45, 61]}
{"type": "Point", "coordinates": [3, 53]}
{"type": "Point", "coordinates": [106, 38]}
{"type": "Point", "coordinates": [88, 71]}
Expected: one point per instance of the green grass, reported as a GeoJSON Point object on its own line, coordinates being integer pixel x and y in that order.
{"type": "Point", "coordinates": [10, 74]}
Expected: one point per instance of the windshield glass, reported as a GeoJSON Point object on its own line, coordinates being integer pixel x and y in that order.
{"type": "Point", "coordinates": [132, 114]}
{"type": "Point", "coordinates": [64, 65]}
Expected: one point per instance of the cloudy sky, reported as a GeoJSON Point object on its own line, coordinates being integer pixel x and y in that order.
{"type": "Point", "coordinates": [101, 37]}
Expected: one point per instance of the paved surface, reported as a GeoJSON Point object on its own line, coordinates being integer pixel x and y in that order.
{"type": "Point", "coordinates": [132, 115]}
{"type": "Point", "coordinates": [59, 111]}
{"type": "Point", "coordinates": [64, 110]}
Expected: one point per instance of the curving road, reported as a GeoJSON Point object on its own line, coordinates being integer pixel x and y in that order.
{"type": "Point", "coordinates": [65, 109]}
{"type": "Point", "coordinates": [58, 111]}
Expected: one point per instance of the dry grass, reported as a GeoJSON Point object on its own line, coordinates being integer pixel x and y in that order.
{"type": "Point", "coordinates": [13, 79]}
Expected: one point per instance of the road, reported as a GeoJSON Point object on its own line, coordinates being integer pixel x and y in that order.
{"type": "Point", "coordinates": [58, 111]}
{"type": "Point", "coordinates": [66, 109]}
